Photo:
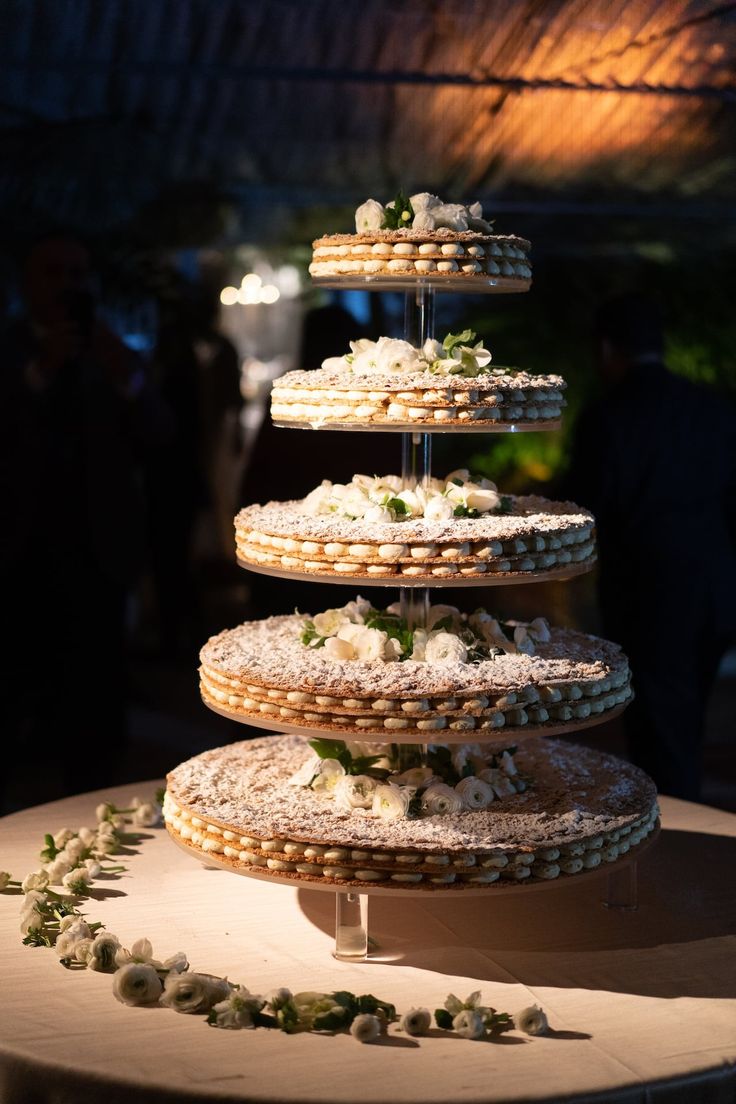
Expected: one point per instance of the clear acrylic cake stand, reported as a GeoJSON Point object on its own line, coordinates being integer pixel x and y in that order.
{"type": "Point", "coordinates": [352, 940]}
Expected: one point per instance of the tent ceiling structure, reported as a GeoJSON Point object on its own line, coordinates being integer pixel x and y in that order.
{"type": "Point", "coordinates": [539, 107]}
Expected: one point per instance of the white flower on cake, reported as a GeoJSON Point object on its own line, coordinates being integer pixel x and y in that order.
{"type": "Point", "coordinates": [307, 772]}
{"type": "Point", "coordinates": [355, 791]}
{"type": "Point", "coordinates": [369, 216]}
{"type": "Point", "coordinates": [424, 201]}
{"type": "Point", "coordinates": [330, 773]}
{"type": "Point", "coordinates": [329, 622]}
{"type": "Point", "coordinates": [415, 777]}
{"type": "Point", "coordinates": [439, 508]}
{"type": "Point", "coordinates": [444, 648]}
{"type": "Point", "coordinates": [391, 356]}
{"type": "Point", "coordinates": [474, 793]}
{"type": "Point", "coordinates": [453, 216]}
{"type": "Point", "coordinates": [390, 802]}
{"type": "Point", "coordinates": [424, 220]}
{"type": "Point", "coordinates": [370, 645]}
{"type": "Point", "coordinates": [337, 648]}
{"type": "Point", "coordinates": [439, 799]}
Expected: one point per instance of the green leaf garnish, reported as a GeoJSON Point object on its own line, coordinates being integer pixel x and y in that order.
{"type": "Point", "coordinates": [398, 506]}
{"type": "Point", "coordinates": [401, 215]}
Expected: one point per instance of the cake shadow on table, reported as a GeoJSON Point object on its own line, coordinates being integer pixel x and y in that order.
{"type": "Point", "coordinates": [568, 939]}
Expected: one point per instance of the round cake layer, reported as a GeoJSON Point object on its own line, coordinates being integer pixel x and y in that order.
{"type": "Point", "coordinates": [441, 253]}
{"type": "Point", "coordinates": [262, 669]}
{"type": "Point", "coordinates": [534, 537]}
{"type": "Point", "coordinates": [239, 803]}
{"type": "Point", "coordinates": [503, 395]}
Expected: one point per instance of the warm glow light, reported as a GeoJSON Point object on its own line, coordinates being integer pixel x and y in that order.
{"type": "Point", "coordinates": [249, 295]}
{"type": "Point", "coordinates": [228, 296]}
{"type": "Point", "coordinates": [251, 280]}
{"type": "Point", "coordinates": [269, 293]}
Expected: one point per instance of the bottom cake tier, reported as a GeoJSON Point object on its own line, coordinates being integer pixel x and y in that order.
{"type": "Point", "coordinates": [239, 804]}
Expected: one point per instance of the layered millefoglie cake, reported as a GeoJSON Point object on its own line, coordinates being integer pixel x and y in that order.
{"type": "Point", "coordinates": [244, 806]}
{"type": "Point", "coordinates": [420, 236]}
{"type": "Point", "coordinates": [378, 526]}
{"type": "Point", "coordinates": [391, 383]}
{"type": "Point", "coordinates": [364, 672]}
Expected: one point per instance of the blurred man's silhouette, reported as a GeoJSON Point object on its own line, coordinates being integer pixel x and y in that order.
{"type": "Point", "coordinates": [655, 459]}
{"type": "Point", "coordinates": [76, 414]}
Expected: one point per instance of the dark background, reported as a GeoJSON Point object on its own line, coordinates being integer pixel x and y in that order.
{"type": "Point", "coordinates": [189, 142]}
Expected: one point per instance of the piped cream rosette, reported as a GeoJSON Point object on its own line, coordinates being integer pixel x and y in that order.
{"type": "Point", "coordinates": [420, 236]}
{"type": "Point", "coordinates": [378, 526]}
{"type": "Point", "coordinates": [390, 382]}
{"type": "Point", "coordinates": [357, 672]}
{"type": "Point", "coordinates": [238, 805]}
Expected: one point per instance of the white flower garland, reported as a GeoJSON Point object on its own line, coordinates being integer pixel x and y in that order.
{"type": "Point", "coordinates": [52, 919]}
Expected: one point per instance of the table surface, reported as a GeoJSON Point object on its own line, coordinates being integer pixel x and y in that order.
{"type": "Point", "coordinates": [642, 1004]}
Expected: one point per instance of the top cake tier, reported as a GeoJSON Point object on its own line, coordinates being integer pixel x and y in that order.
{"type": "Point", "coordinates": [422, 239]}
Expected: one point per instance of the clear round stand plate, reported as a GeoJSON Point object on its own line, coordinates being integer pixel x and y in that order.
{"type": "Point", "coordinates": [489, 579]}
{"type": "Point", "coordinates": [436, 736]}
{"type": "Point", "coordinates": [365, 888]}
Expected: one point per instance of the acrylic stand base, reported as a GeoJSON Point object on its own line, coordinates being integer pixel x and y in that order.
{"type": "Point", "coordinates": [352, 937]}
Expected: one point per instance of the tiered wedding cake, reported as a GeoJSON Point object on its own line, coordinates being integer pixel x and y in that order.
{"type": "Point", "coordinates": [411, 754]}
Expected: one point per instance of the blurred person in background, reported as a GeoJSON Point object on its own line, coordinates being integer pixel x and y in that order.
{"type": "Point", "coordinates": [654, 458]}
{"type": "Point", "coordinates": [198, 373]}
{"type": "Point", "coordinates": [77, 415]}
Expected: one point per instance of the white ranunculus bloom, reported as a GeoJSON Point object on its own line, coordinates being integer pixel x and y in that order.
{"type": "Point", "coordinates": [432, 350]}
{"type": "Point", "coordinates": [394, 355]}
{"type": "Point", "coordinates": [369, 646]}
{"type": "Point", "coordinates": [339, 649]}
{"type": "Point", "coordinates": [469, 1024]}
{"type": "Point", "coordinates": [327, 623]}
{"type": "Point", "coordinates": [355, 503]}
{"type": "Point", "coordinates": [424, 220]}
{"type": "Point", "coordinates": [475, 793]}
{"type": "Point", "coordinates": [476, 210]}
{"type": "Point", "coordinates": [508, 766]}
{"type": "Point", "coordinates": [57, 869]}
{"type": "Point", "coordinates": [459, 473]}
{"type": "Point", "coordinates": [355, 791]}
{"type": "Point", "coordinates": [82, 950]}
{"type": "Point", "coordinates": [420, 645]}
{"type": "Point", "coordinates": [316, 502]}
{"type": "Point", "coordinates": [390, 802]}
{"type": "Point", "coordinates": [101, 954]}
{"type": "Point", "coordinates": [439, 508]}
{"type": "Point", "coordinates": [439, 799]}
{"type": "Point", "coordinates": [538, 630]}
{"type": "Point", "coordinates": [357, 610]}
{"type": "Point", "coordinates": [424, 201]}
{"type": "Point", "coordinates": [77, 880]}
{"type": "Point", "coordinates": [68, 939]}
{"type": "Point", "coordinates": [532, 1021]}
{"type": "Point", "coordinates": [306, 772]}
{"type": "Point", "coordinates": [392, 650]}
{"type": "Point", "coordinates": [351, 631]}
{"type": "Point", "coordinates": [330, 772]}
{"type": "Point", "coordinates": [75, 848]}
{"type": "Point", "coordinates": [136, 983]}
{"type": "Point", "coordinates": [93, 869]}
{"type": "Point", "coordinates": [378, 515]}
{"type": "Point", "coordinates": [366, 1028]}
{"type": "Point", "coordinates": [147, 815]}
{"type": "Point", "coordinates": [237, 1011]}
{"type": "Point", "coordinates": [87, 836]}
{"type": "Point", "coordinates": [443, 647]}
{"type": "Point", "coordinates": [63, 836]}
{"type": "Point", "coordinates": [38, 879]}
{"type": "Point", "coordinates": [440, 612]}
{"type": "Point", "coordinates": [192, 993]}
{"type": "Point", "coordinates": [453, 216]}
{"type": "Point", "coordinates": [412, 501]}
{"type": "Point", "coordinates": [369, 216]}
{"type": "Point", "coordinates": [31, 915]}
{"type": "Point", "coordinates": [481, 498]}
{"type": "Point", "coordinates": [103, 811]}
{"type": "Point", "coordinates": [417, 1021]}
{"type": "Point", "coordinates": [415, 777]}
{"type": "Point", "coordinates": [523, 640]}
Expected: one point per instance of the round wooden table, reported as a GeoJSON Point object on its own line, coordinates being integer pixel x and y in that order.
{"type": "Point", "coordinates": [642, 1004]}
